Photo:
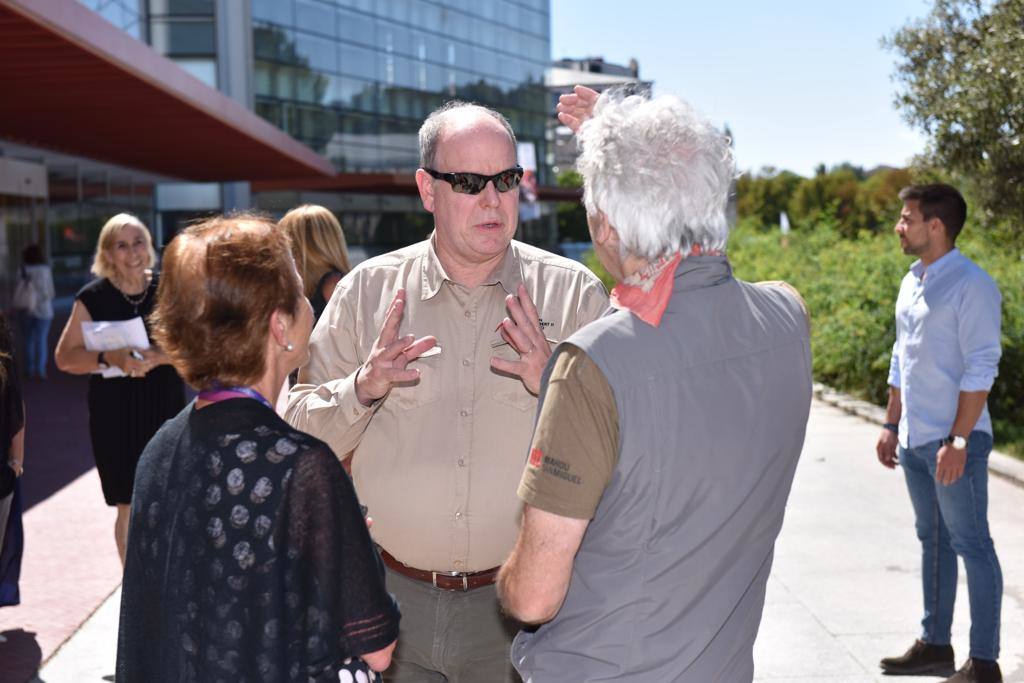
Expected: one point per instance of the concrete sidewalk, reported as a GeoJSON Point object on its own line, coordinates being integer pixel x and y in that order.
{"type": "Point", "coordinates": [844, 591]}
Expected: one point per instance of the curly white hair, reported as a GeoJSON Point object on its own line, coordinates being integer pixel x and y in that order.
{"type": "Point", "coordinates": [659, 171]}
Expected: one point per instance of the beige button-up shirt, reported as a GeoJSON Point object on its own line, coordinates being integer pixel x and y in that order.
{"type": "Point", "coordinates": [438, 461]}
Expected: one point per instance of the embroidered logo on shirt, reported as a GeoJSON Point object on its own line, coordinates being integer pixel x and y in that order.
{"type": "Point", "coordinates": [545, 323]}
{"type": "Point", "coordinates": [536, 456]}
{"type": "Point", "coordinates": [560, 469]}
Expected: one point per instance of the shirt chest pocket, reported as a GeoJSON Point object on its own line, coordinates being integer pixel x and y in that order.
{"type": "Point", "coordinates": [427, 390]}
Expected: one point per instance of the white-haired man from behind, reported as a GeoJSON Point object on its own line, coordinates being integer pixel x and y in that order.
{"type": "Point", "coordinates": [668, 431]}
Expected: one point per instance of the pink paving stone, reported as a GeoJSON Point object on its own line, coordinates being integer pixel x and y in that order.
{"type": "Point", "coordinates": [70, 567]}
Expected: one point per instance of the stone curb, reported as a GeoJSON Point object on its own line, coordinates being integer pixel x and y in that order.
{"type": "Point", "coordinates": [999, 464]}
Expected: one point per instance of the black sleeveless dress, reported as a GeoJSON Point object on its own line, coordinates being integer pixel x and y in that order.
{"type": "Point", "coordinates": [125, 412]}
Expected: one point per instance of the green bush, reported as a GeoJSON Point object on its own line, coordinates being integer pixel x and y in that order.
{"type": "Point", "coordinates": [850, 286]}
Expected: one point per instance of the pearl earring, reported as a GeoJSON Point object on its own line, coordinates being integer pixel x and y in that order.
{"type": "Point", "coordinates": [289, 347]}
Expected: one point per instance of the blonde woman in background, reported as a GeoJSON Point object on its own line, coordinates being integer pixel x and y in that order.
{"type": "Point", "coordinates": [124, 411]}
{"type": "Point", "coordinates": [321, 255]}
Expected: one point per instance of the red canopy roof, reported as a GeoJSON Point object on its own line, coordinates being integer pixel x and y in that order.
{"type": "Point", "coordinates": [72, 82]}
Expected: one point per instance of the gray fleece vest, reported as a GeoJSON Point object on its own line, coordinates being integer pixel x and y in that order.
{"type": "Point", "coordinates": [669, 582]}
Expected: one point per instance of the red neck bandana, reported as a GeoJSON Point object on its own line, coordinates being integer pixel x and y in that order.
{"type": "Point", "coordinates": [646, 292]}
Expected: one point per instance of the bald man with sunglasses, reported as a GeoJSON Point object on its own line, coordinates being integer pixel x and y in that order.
{"type": "Point", "coordinates": [426, 366]}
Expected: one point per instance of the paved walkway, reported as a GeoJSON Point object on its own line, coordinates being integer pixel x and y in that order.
{"type": "Point", "coordinates": [844, 590]}
{"type": "Point", "coordinates": [845, 587]}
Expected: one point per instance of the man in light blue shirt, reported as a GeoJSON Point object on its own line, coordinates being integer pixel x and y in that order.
{"type": "Point", "coordinates": [944, 362]}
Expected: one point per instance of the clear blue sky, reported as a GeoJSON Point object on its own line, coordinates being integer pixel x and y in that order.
{"type": "Point", "coordinates": [799, 82]}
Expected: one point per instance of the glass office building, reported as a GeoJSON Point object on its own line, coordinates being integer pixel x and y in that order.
{"type": "Point", "coordinates": [353, 80]}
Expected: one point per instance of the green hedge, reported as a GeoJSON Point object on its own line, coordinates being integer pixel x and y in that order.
{"type": "Point", "coordinates": [850, 286]}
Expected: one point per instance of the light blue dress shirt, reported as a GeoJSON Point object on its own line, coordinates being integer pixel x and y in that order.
{"type": "Point", "coordinates": [947, 341]}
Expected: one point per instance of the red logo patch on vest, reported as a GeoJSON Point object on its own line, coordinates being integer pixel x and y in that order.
{"type": "Point", "coordinates": [536, 456]}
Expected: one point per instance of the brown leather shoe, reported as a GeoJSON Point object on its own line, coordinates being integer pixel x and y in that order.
{"type": "Point", "coordinates": [921, 658]}
{"type": "Point", "coordinates": [977, 671]}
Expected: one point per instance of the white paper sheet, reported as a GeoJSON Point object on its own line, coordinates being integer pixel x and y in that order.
{"type": "Point", "coordinates": [109, 335]}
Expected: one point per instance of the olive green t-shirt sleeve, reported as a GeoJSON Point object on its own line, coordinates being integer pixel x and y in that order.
{"type": "Point", "coordinates": [576, 441]}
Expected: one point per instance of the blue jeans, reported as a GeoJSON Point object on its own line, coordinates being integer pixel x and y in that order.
{"type": "Point", "coordinates": [953, 520]}
{"type": "Point", "coordinates": [36, 334]}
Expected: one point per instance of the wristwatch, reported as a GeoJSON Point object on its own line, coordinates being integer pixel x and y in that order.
{"type": "Point", "coordinates": [956, 441]}
{"type": "Point", "coordinates": [101, 362]}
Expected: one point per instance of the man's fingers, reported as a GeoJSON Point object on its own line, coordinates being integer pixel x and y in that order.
{"type": "Point", "coordinates": [504, 335]}
{"type": "Point", "coordinates": [529, 308]}
{"type": "Point", "coordinates": [399, 375]}
{"type": "Point", "coordinates": [516, 336]}
{"type": "Point", "coordinates": [393, 319]}
{"type": "Point", "coordinates": [569, 120]}
{"type": "Point", "coordinates": [512, 367]}
{"type": "Point", "coordinates": [567, 101]}
{"type": "Point", "coordinates": [395, 348]}
{"type": "Point", "coordinates": [887, 458]}
{"type": "Point", "coordinates": [587, 95]}
{"type": "Point", "coordinates": [524, 314]}
{"type": "Point", "coordinates": [419, 347]}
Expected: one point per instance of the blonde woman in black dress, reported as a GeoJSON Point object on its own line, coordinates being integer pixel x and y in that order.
{"type": "Point", "coordinates": [124, 412]}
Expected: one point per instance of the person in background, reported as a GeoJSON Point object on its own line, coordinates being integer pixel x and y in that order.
{"type": "Point", "coordinates": [321, 255]}
{"type": "Point", "coordinates": [938, 428]}
{"type": "Point", "coordinates": [124, 411]}
{"type": "Point", "coordinates": [669, 430]}
{"type": "Point", "coordinates": [12, 465]}
{"type": "Point", "coordinates": [36, 320]}
{"type": "Point", "coordinates": [249, 557]}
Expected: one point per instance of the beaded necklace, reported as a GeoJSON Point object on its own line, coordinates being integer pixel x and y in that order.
{"type": "Point", "coordinates": [135, 301]}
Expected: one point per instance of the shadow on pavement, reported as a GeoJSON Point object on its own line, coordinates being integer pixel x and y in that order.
{"type": "Point", "coordinates": [21, 656]}
{"type": "Point", "coordinates": [57, 448]}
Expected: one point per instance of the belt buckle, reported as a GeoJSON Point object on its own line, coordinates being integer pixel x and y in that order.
{"type": "Point", "coordinates": [465, 579]}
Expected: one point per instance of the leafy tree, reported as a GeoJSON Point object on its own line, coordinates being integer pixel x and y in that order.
{"type": "Point", "coordinates": [878, 203]}
{"type": "Point", "coordinates": [848, 196]}
{"type": "Point", "coordinates": [838, 188]}
{"type": "Point", "coordinates": [765, 195]}
{"type": "Point", "coordinates": [961, 78]}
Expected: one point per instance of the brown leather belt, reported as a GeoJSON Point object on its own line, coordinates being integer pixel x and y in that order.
{"type": "Point", "coordinates": [446, 581]}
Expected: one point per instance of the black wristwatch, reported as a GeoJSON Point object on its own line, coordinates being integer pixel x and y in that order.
{"type": "Point", "coordinates": [101, 362]}
{"type": "Point", "coordinates": [956, 441]}
{"type": "Point", "coordinates": [892, 427]}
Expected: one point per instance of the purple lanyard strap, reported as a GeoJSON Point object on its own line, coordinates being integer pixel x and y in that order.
{"type": "Point", "coordinates": [222, 393]}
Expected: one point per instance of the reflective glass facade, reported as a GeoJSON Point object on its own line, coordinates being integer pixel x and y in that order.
{"type": "Point", "coordinates": [124, 14]}
{"type": "Point", "coordinates": [354, 79]}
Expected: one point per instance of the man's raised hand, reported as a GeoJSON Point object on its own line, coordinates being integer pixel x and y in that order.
{"type": "Point", "coordinates": [522, 332]}
{"type": "Point", "coordinates": [386, 364]}
{"type": "Point", "coordinates": [576, 107]}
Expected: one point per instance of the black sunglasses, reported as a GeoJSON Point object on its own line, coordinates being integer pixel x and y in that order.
{"type": "Point", "coordinates": [474, 183]}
